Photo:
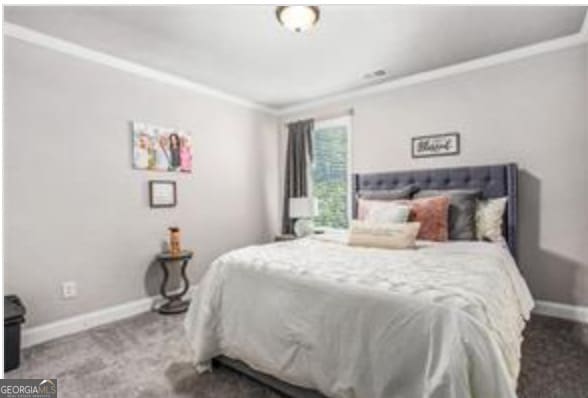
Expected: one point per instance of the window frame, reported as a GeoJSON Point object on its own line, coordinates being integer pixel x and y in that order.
{"type": "Point", "coordinates": [347, 122]}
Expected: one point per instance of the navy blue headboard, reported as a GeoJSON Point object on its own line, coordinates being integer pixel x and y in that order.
{"type": "Point", "coordinates": [495, 181]}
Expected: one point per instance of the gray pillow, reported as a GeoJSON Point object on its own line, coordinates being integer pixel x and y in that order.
{"type": "Point", "coordinates": [387, 194]}
{"type": "Point", "coordinates": [462, 211]}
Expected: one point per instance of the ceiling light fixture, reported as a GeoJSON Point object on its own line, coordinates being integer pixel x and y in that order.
{"type": "Point", "coordinates": [298, 18]}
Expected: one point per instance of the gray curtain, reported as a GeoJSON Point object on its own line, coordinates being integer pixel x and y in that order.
{"type": "Point", "coordinates": [298, 152]}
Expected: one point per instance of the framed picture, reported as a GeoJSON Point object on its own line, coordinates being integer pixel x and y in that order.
{"type": "Point", "coordinates": [161, 148]}
{"type": "Point", "coordinates": [162, 194]}
{"type": "Point", "coordinates": [435, 145]}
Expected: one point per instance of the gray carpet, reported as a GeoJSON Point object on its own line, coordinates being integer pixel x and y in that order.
{"type": "Point", "coordinates": [147, 356]}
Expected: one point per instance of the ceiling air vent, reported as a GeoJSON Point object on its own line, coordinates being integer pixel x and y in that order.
{"type": "Point", "coordinates": [375, 74]}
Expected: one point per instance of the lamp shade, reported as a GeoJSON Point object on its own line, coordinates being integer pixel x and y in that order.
{"type": "Point", "coordinates": [304, 207]}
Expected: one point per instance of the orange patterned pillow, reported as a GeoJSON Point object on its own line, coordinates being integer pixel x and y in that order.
{"type": "Point", "coordinates": [433, 214]}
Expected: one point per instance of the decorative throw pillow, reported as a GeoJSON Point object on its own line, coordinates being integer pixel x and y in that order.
{"type": "Point", "coordinates": [489, 216]}
{"type": "Point", "coordinates": [380, 211]}
{"type": "Point", "coordinates": [462, 211]}
{"type": "Point", "coordinates": [388, 194]}
{"type": "Point", "coordinates": [384, 236]}
{"type": "Point", "coordinates": [432, 213]}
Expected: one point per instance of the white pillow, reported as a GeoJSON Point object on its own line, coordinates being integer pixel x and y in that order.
{"type": "Point", "coordinates": [385, 236]}
{"type": "Point", "coordinates": [385, 212]}
{"type": "Point", "coordinates": [489, 216]}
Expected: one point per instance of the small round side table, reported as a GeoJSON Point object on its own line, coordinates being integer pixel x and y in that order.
{"type": "Point", "coordinates": [174, 304]}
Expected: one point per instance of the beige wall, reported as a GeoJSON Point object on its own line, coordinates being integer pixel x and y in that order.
{"type": "Point", "coordinates": [76, 210]}
{"type": "Point", "coordinates": [533, 112]}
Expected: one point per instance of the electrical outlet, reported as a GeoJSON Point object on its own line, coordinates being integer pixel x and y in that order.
{"type": "Point", "coordinates": [69, 290]}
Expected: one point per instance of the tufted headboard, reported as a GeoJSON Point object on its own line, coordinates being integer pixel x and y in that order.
{"type": "Point", "coordinates": [495, 181]}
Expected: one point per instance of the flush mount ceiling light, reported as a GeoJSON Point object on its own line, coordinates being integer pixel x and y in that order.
{"type": "Point", "coordinates": [298, 18]}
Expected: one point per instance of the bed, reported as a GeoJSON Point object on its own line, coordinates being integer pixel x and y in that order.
{"type": "Point", "coordinates": [315, 317]}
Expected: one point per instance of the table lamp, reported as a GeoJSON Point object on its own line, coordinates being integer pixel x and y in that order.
{"type": "Point", "coordinates": [303, 209]}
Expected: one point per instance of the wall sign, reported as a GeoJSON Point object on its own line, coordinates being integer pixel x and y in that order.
{"type": "Point", "coordinates": [435, 145]}
{"type": "Point", "coordinates": [162, 193]}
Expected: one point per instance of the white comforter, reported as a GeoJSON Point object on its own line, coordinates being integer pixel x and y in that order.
{"type": "Point", "coordinates": [444, 320]}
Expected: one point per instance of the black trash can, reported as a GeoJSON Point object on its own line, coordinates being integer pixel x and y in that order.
{"type": "Point", "coordinates": [14, 312]}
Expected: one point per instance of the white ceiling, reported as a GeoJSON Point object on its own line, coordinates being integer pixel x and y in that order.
{"type": "Point", "coordinates": [242, 50]}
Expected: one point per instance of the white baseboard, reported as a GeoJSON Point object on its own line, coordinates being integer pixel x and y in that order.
{"type": "Point", "coordinates": [576, 313]}
{"type": "Point", "coordinates": [42, 333]}
{"type": "Point", "coordinates": [49, 331]}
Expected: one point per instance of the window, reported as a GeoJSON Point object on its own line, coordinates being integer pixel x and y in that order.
{"type": "Point", "coordinates": [330, 171]}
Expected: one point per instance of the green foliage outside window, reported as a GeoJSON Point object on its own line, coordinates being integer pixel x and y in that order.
{"type": "Point", "coordinates": [329, 173]}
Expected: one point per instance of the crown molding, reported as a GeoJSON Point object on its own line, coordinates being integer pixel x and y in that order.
{"type": "Point", "coordinates": [456, 69]}
{"type": "Point", "coordinates": [66, 47]}
{"type": "Point", "coordinates": [53, 43]}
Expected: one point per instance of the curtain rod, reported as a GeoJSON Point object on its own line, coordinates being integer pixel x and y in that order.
{"type": "Point", "coordinates": [326, 116]}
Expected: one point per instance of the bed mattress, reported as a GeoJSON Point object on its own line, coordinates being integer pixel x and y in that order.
{"type": "Point", "coordinates": [441, 320]}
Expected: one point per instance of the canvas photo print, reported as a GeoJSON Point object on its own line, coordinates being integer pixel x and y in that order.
{"type": "Point", "coordinates": [161, 149]}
